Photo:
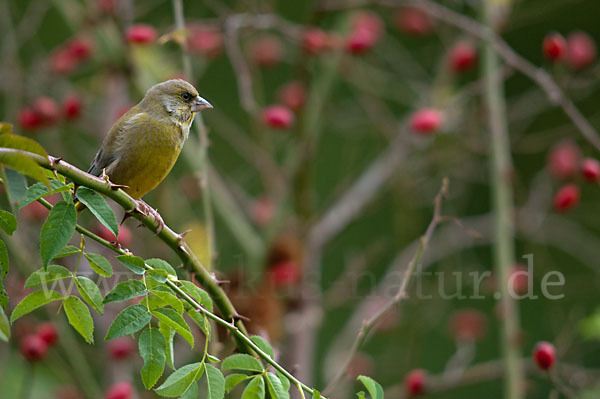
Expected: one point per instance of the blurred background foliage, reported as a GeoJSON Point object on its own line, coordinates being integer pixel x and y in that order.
{"type": "Point", "coordinates": [357, 104]}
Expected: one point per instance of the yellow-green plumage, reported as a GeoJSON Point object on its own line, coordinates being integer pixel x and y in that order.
{"type": "Point", "coordinates": [143, 145]}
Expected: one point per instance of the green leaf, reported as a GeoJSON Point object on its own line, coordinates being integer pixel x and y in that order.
{"type": "Point", "coordinates": [241, 361]}
{"type": "Point", "coordinates": [168, 333]}
{"type": "Point", "coordinates": [234, 379]}
{"type": "Point", "coordinates": [57, 230]}
{"type": "Point", "coordinates": [67, 251]}
{"type": "Point", "coordinates": [215, 382]}
{"type": "Point", "coordinates": [38, 190]}
{"type": "Point", "coordinates": [166, 298]}
{"type": "Point", "coordinates": [25, 165]}
{"type": "Point", "coordinates": [263, 345]}
{"type": "Point", "coordinates": [361, 395]}
{"type": "Point", "coordinates": [22, 143]}
{"type": "Point", "coordinates": [98, 206]}
{"type": "Point", "coordinates": [133, 263]}
{"type": "Point", "coordinates": [255, 389]}
{"type": "Point", "coordinates": [16, 185]}
{"type": "Point", "coordinates": [159, 275]}
{"type": "Point", "coordinates": [212, 358]}
{"type": "Point", "coordinates": [199, 319]}
{"type": "Point", "coordinates": [4, 326]}
{"type": "Point", "coordinates": [176, 322]}
{"type": "Point", "coordinates": [197, 293]}
{"type": "Point", "coordinates": [90, 293]}
{"type": "Point", "coordinates": [285, 383]}
{"type": "Point", "coordinates": [99, 264]}
{"type": "Point", "coordinates": [181, 380]}
{"type": "Point", "coordinates": [316, 394]}
{"type": "Point", "coordinates": [152, 347]}
{"type": "Point", "coordinates": [130, 320]}
{"type": "Point", "coordinates": [191, 393]}
{"type": "Point", "coordinates": [160, 264]}
{"type": "Point", "coordinates": [276, 390]}
{"type": "Point", "coordinates": [373, 387]}
{"type": "Point", "coordinates": [43, 277]}
{"type": "Point", "coordinates": [33, 301]}
{"type": "Point", "coordinates": [8, 223]}
{"type": "Point", "coordinates": [79, 317]}
{"type": "Point", "coordinates": [126, 290]}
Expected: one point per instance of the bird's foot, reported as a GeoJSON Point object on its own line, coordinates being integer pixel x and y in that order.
{"type": "Point", "coordinates": [145, 209]}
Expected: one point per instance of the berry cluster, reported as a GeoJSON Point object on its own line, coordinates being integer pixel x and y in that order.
{"type": "Point", "coordinates": [45, 112]}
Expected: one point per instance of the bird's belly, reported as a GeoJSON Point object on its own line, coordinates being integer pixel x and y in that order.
{"type": "Point", "coordinates": [142, 170]}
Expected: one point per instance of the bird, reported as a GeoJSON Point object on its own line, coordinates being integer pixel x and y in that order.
{"type": "Point", "coordinates": [143, 145]}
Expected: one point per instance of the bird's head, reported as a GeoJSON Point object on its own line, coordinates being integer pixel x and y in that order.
{"type": "Point", "coordinates": [177, 98]}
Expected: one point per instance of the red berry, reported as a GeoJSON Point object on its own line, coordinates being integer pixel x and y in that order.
{"type": "Point", "coordinates": [292, 95]}
{"type": "Point", "coordinates": [120, 390]}
{"type": "Point", "coordinates": [47, 109]}
{"type": "Point", "coordinates": [29, 119]}
{"type": "Point", "coordinates": [581, 50]}
{"type": "Point", "coordinates": [278, 117]}
{"type": "Point", "coordinates": [266, 51]}
{"type": "Point", "coordinates": [366, 32]}
{"type": "Point", "coordinates": [370, 22]}
{"type": "Point", "coordinates": [467, 325]}
{"type": "Point", "coordinates": [47, 332]}
{"type": "Point", "coordinates": [426, 121]}
{"type": "Point", "coordinates": [205, 39]}
{"type": "Point", "coordinates": [141, 34]}
{"type": "Point", "coordinates": [34, 211]}
{"type": "Point", "coordinates": [413, 21]}
{"type": "Point", "coordinates": [124, 234]}
{"type": "Point", "coordinates": [463, 56]}
{"type": "Point", "coordinates": [79, 48]}
{"type": "Point", "coordinates": [71, 107]}
{"type": "Point", "coordinates": [590, 168]}
{"type": "Point", "coordinates": [120, 348]}
{"type": "Point", "coordinates": [62, 61]}
{"type": "Point", "coordinates": [33, 348]}
{"type": "Point", "coordinates": [519, 277]}
{"type": "Point", "coordinates": [563, 161]}
{"type": "Point", "coordinates": [554, 46]}
{"type": "Point", "coordinates": [544, 355]}
{"type": "Point", "coordinates": [315, 41]}
{"type": "Point", "coordinates": [285, 273]}
{"type": "Point", "coordinates": [566, 198]}
{"type": "Point", "coordinates": [415, 382]}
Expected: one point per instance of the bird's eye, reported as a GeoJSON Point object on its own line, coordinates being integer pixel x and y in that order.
{"type": "Point", "coordinates": [186, 96]}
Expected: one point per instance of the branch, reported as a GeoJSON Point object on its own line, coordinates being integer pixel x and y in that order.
{"type": "Point", "coordinates": [236, 330]}
{"type": "Point", "coordinates": [173, 240]}
{"type": "Point", "coordinates": [368, 324]}
{"type": "Point", "coordinates": [542, 78]}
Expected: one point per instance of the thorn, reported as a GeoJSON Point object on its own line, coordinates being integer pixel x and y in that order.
{"type": "Point", "coordinates": [237, 316]}
{"type": "Point", "coordinates": [181, 236]}
{"type": "Point", "coordinates": [54, 161]}
{"type": "Point", "coordinates": [126, 216]}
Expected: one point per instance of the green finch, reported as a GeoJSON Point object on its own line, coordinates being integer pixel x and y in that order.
{"type": "Point", "coordinates": [143, 145]}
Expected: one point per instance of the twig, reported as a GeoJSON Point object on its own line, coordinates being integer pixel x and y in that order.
{"type": "Point", "coordinates": [173, 240]}
{"type": "Point", "coordinates": [502, 204]}
{"type": "Point", "coordinates": [236, 330]}
{"type": "Point", "coordinates": [542, 78]}
{"type": "Point", "coordinates": [259, 21]}
{"type": "Point", "coordinates": [368, 324]}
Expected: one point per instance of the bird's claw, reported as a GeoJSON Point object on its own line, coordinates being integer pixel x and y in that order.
{"type": "Point", "coordinates": [145, 209]}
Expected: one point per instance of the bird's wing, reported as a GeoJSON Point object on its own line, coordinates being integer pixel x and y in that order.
{"type": "Point", "coordinates": [112, 147]}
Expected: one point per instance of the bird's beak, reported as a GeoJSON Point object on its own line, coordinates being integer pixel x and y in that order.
{"type": "Point", "coordinates": [200, 104]}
